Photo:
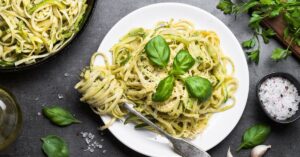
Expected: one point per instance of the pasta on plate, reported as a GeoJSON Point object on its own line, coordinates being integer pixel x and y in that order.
{"type": "Point", "coordinates": [132, 77]}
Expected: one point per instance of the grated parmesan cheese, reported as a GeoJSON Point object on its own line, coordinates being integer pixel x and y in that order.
{"type": "Point", "coordinates": [279, 97]}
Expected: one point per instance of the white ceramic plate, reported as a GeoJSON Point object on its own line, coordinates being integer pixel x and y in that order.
{"type": "Point", "coordinates": [221, 124]}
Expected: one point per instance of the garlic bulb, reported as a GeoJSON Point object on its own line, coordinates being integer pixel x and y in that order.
{"type": "Point", "coordinates": [259, 150]}
{"type": "Point", "coordinates": [229, 153]}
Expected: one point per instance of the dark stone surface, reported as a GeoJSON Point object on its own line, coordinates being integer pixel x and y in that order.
{"type": "Point", "coordinates": [47, 81]}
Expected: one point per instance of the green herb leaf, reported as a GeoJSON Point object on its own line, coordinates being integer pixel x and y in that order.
{"type": "Point", "coordinates": [267, 2]}
{"type": "Point", "coordinates": [183, 61]}
{"type": "Point", "coordinates": [59, 116]}
{"type": "Point", "coordinates": [279, 54]}
{"type": "Point", "coordinates": [6, 64]}
{"type": "Point", "coordinates": [255, 20]}
{"type": "Point", "coordinates": [297, 41]}
{"type": "Point", "coordinates": [158, 51]}
{"type": "Point", "coordinates": [248, 5]}
{"type": "Point", "coordinates": [249, 43]}
{"type": "Point", "coordinates": [267, 9]}
{"type": "Point", "coordinates": [54, 146]}
{"type": "Point", "coordinates": [266, 34]}
{"type": "Point", "coordinates": [198, 87]}
{"type": "Point", "coordinates": [164, 89]}
{"type": "Point", "coordinates": [275, 12]}
{"type": "Point", "coordinates": [131, 118]}
{"type": "Point", "coordinates": [226, 6]}
{"type": "Point", "coordinates": [254, 136]}
{"type": "Point", "coordinates": [254, 56]}
{"type": "Point", "coordinates": [141, 125]}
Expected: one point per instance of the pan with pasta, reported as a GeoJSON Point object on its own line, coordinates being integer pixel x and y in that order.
{"type": "Point", "coordinates": [33, 30]}
{"type": "Point", "coordinates": [175, 75]}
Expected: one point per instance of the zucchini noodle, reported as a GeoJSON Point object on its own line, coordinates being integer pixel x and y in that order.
{"type": "Point", "coordinates": [35, 29]}
{"type": "Point", "coordinates": [132, 78]}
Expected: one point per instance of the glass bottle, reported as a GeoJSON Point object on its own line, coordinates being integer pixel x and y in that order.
{"type": "Point", "coordinates": [10, 119]}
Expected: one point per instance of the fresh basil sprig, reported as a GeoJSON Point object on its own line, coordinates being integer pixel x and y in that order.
{"type": "Point", "coordinates": [255, 135]}
{"type": "Point", "coordinates": [54, 146]}
{"type": "Point", "coordinates": [59, 116]}
{"type": "Point", "coordinates": [164, 89]}
{"type": "Point", "coordinates": [158, 51]}
{"type": "Point", "coordinates": [183, 61]}
{"type": "Point", "coordinates": [198, 87]}
{"type": "Point", "coordinates": [267, 9]}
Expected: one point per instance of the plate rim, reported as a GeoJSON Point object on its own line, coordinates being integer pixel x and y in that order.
{"type": "Point", "coordinates": [214, 18]}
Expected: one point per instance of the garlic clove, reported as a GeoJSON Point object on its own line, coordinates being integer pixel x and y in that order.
{"type": "Point", "coordinates": [229, 153]}
{"type": "Point", "coordinates": [259, 150]}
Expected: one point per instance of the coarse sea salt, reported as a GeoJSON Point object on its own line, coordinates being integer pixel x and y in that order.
{"type": "Point", "coordinates": [92, 144]}
{"type": "Point", "coordinates": [279, 97]}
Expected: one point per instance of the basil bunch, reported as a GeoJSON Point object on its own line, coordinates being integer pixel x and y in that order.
{"type": "Point", "coordinates": [54, 146]}
{"type": "Point", "coordinates": [158, 52]}
{"type": "Point", "coordinates": [255, 135]}
{"type": "Point", "coordinates": [59, 116]}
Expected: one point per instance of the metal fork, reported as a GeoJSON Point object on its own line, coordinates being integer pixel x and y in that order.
{"type": "Point", "coordinates": [181, 147]}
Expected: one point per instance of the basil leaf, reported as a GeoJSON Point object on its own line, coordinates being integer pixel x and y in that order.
{"type": "Point", "coordinates": [59, 116]}
{"type": "Point", "coordinates": [255, 135]}
{"type": "Point", "coordinates": [54, 146]}
{"type": "Point", "coordinates": [279, 54]}
{"type": "Point", "coordinates": [249, 43]}
{"type": "Point", "coordinates": [158, 51]}
{"type": "Point", "coordinates": [164, 89]}
{"type": "Point", "coordinates": [198, 87]}
{"type": "Point", "coordinates": [183, 61]}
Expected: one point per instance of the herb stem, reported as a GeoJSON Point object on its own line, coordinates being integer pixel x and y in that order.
{"type": "Point", "coordinates": [258, 43]}
{"type": "Point", "coordinates": [293, 38]}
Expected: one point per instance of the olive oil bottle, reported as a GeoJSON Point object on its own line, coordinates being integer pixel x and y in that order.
{"type": "Point", "coordinates": [10, 119]}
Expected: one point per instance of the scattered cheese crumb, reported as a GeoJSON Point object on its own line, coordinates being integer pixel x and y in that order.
{"type": "Point", "coordinates": [279, 97]}
{"type": "Point", "coordinates": [39, 113]}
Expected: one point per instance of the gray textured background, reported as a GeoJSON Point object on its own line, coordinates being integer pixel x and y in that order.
{"type": "Point", "coordinates": [47, 81]}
